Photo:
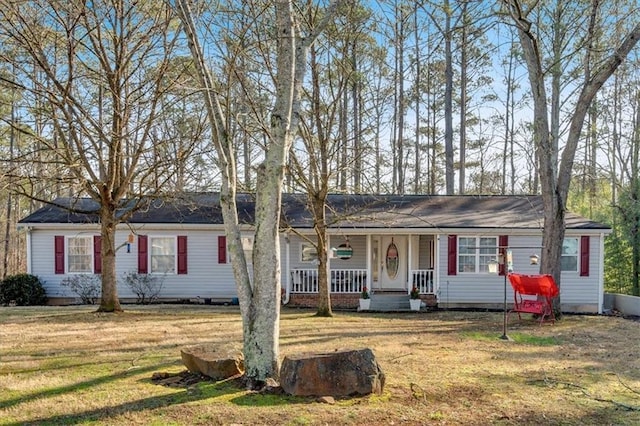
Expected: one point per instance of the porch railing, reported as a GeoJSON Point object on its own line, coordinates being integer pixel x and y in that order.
{"type": "Point", "coordinates": [348, 280]}
{"type": "Point", "coordinates": [304, 281]}
{"type": "Point", "coordinates": [423, 280]}
{"type": "Point", "coordinates": [353, 280]}
{"type": "Point", "coordinates": [342, 280]}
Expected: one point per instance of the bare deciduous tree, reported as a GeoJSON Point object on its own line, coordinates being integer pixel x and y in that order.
{"type": "Point", "coordinates": [555, 168]}
{"type": "Point", "coordinates": [98, 72]}
{"type": "Point", "coordinates": [260, 301]}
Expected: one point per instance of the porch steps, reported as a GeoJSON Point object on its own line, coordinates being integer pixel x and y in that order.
{"type": "Point", "coordinates": [389, 302]}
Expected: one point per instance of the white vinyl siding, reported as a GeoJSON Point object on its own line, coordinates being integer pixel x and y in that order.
{"type": "Point", "coordinates": [206, 278]}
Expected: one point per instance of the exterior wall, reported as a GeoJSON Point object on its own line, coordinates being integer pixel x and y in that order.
{"type": "Point", "coordinates": [205, 278]}
{"type": "Point", "coordinates": [310, 300]}
{"type": "Point", "coordinates": [342, 301]}
{"type": "Point", "coordinates": [357, 261]}
{"type": "Point", "coordinates": [424, 250]}
{"type": "Point", "coordinates": [578, 294]}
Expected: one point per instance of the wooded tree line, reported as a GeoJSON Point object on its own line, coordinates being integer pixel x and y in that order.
{"type": "Point", "coordinates": [400, 97]}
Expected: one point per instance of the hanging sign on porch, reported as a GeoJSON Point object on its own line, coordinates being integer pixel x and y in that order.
{"type": "Point", "coordinates": [344, 251]}
{"type": "Point", "coordinates": [392, 260]}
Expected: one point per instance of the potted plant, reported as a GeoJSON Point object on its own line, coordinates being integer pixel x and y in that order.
{"type": "Point", "coordinates": [365, 301]}
{"type": "Point", "coordinates": [414, 299]}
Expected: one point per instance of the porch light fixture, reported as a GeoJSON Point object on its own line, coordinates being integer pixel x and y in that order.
{"type": "Point", "coordinates": [534, 259]}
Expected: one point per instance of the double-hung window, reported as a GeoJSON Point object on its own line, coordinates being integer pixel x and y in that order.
{"type": "Point", "coordinates": [475, 253]}
{"type": "Point", "coordinates": [569, 255]}
{"type": "Point", "coordinates": [80, 254]}
{"type": "Point", "coordinates": [163, 255]}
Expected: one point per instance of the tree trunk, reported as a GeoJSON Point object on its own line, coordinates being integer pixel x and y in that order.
{"type": "Point", "coordinates": [417, 184]}
{"type": "Point", "coordinates": [463, 103]}
{"type": "Point", "coordinates": [109, 301]}
{"type": "Point", "coordinates": [555, 180]}
{"type": "Point", "coordinates": [259, 303]}
{"type": "Point", "coordinates": [448, 103]}
{"type": "Point", "coordinates": [320, 227]}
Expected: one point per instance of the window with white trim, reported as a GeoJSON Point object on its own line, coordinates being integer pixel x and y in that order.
{"type": "Point", "coordinates": [475, 253]}
{"type": "Point", "coordinates": [80, 254]}
{"type": "Point", "coordinates": [162, 255]}
{"type": "Point", "coordinates": [308, 252]}
{"type": "Point", "coordinates": [569, 255]}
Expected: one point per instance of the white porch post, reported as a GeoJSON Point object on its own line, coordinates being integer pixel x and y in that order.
{"type": "Point", "coordinates": [409, 262]}
{"type": "Point", "coordinates": [329, 257]}
{"type": "Point", "coordinates": [369, 282]}
{"type": "Point", "coordinates": [287, 269]}
{"type": "Point", "coordinates": [436, 265]}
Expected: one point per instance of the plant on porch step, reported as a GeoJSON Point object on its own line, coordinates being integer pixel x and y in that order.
{"type": "Point", "coordinates": [364, 302]}
{"type": "Point", "coordinates": [365, 293]}
{"type": "Point", "coordinates": [414, 299]}
{"type": "Point", "coordinates": [415, 293]}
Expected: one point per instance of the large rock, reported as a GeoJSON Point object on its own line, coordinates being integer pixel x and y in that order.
{"type": "Point", "coordinates": [339, 373]}
{"type": "Point", "coordinates": [214, 363]}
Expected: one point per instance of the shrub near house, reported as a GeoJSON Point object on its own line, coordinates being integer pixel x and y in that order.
{"type": "Point", "coordinates": [22, 290]}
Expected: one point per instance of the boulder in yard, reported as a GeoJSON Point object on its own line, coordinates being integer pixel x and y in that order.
{"type": "Point", "coordinates": [339, 373]}
{"type": "Point", "coordinates": [211, 362]}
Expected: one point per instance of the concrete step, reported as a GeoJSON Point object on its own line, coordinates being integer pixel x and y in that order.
{"type": "Point", "coordinates": [390, 302]}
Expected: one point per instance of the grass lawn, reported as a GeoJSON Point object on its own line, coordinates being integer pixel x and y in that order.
{"type": "Point", "coordinates": [70, 365]}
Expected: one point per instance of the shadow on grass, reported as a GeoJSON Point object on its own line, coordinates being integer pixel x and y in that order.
{"type": "Point", "coordinates": [109, 412]}
{"type": "Point", "coordinates": [252, 399]}
{"type": "Point", "coordinates": [202, 391]}
{"type": "Point", "coordinates": [81, 385]}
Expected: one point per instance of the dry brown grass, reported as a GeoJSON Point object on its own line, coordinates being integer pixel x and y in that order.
{"type": "Point", "coordinates": [70, 365]}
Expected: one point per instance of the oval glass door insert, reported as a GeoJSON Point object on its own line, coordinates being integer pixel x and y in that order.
{"type": "Point", "coordinates": [392, 260]}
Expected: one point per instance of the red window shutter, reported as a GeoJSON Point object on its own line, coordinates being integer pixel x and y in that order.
{"type": "Point", "coordinates": [59, 254]}
{"type": "Point", "coordinates": [97, 254]}
{"type": "Point", "coordinates": [222, 249]}
{"type": "Point", "coordinates": [584, 256]}
{"type": "Point", "coordinates": [143, 257]}
{"type": "Point", "coordinates": [452, 251]}
{"type": "Point", "coordinates": [503, 242]}
{"type": "Point", "coordinates": [182, 254]}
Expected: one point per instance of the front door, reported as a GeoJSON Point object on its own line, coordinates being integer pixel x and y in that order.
{"type": "Point", "coordinates": [393, 263]}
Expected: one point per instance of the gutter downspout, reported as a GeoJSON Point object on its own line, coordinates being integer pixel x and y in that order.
{"type": "Point", "coordinates": [601, 276]}
{"type": "Point", "coordinates": [28, 243]}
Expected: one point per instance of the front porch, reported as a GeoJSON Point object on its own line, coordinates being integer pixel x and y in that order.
{"type": "Point", "coordinates": [346, 286]}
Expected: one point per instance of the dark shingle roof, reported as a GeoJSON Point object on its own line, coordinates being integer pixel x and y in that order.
{"type": "Point", "coordinates": [344, 211]}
